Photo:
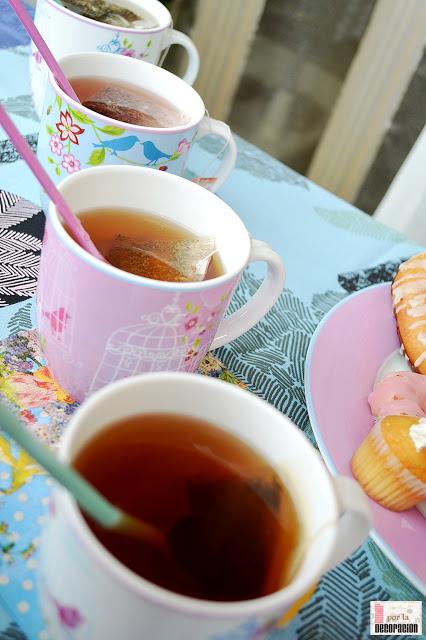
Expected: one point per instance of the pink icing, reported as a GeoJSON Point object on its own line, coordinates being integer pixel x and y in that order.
{"type": "Point", "coordinates": [402, 393]}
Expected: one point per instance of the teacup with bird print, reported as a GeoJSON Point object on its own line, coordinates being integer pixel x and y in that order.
{"type": "Point", "coordinates": [75, 136]}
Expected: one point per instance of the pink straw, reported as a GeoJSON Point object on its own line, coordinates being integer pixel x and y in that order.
{"type": "Point", "coordinates": [71, 220]}
{"type": "Point", "coordinates": [37, 38]}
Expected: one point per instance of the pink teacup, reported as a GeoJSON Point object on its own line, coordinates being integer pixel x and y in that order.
{"type": "Point", "coordinates": [99, 324]}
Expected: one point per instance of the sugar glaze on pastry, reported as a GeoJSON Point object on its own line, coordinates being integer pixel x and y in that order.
{"type": "Point", "coordinates": [409, 305]}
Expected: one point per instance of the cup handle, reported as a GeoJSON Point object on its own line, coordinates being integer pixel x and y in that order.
{"type": "Point", "coordinates": [191, 73]}
{"type": "Point", "coordinates": [267, 294]}
{"type": "Point", "coordinates": [211, 127]}
{"type": "Point", "coordinates": [355, 520]}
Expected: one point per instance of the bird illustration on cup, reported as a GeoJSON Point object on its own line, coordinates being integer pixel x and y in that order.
{"type": "Point", "coordinates": [118, 144]}
{"type": "Point", "coordinates": [152, 153]}
{"type": "Point", "coordinates": [94, 149]}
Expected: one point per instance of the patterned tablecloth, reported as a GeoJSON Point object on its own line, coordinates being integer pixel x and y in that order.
{"type": "Point", "coordinates": [330, 249]}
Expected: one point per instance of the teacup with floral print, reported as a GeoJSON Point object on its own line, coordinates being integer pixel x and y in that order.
{"type": "Point", "coordinates": [123, 46]}
{"type": "Point", "coordinates": [71, 140]}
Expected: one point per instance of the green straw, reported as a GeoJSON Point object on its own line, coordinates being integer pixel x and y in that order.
{"type": "Point", "coordinates": [89, 498]}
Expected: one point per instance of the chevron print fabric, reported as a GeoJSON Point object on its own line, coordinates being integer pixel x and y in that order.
{"type": "Point", "coordinates": [21, 229]}
{"type": "Point", "coordinates": [270, 360]}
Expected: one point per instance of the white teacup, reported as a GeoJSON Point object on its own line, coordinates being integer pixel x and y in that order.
{"type": "Point", "coordinates": [67, 32]}
{"type": "Point", "coordinates": [88, 593]}
{"type": "Point", "coordinates": [73, 137]}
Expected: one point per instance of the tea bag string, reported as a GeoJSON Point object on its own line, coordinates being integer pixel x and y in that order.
{"type": "Point", "coordinates": [204, 172]}
{"type": "Point", "coordinates": [303, 548]}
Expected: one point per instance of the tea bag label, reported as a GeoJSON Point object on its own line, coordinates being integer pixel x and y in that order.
{"type": "Point", "coordinates": [170, 260]}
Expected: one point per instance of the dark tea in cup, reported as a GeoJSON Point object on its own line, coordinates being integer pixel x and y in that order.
{"type": "Point", "coordinates": [231, 525]}
{"type": "Point", "coordinates": [126, 102]}
{"type": "Point", "coordinates": [151, 246]}
{"type": "Point", "coordinates": [111, 13]}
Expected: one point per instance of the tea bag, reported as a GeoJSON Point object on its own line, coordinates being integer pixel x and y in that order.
{"type": "Point", "coordinates": [120, 104]}
{"type": "Point", "coordinates": [227, 540]}
{"type": "Point", "coordinates": [116, 20]}
{"type": "Point", "coordinates": [170, 260]}
{"type": "Point", "coordinates": [110, 13]}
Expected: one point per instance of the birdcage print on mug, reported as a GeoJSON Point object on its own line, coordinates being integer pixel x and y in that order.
{"type": "Point", "coordinates": [156, 343]}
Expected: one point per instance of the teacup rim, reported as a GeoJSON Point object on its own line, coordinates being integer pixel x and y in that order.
{"type": "Point", "coordinates": [131, 278]}
{"type": "Point", "coordinates": [143, 587]}
{"type": "Point", "coordinates": [77, 106]}
{"type": "Point", "coordinates": [111, 27]}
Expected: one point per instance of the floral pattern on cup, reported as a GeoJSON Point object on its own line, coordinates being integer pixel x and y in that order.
{"type": "Point", "coordinates": [184, 146]}
{"type": "Point", "coordinates": [72, 147]}
{"type": "Point", "coordinates": [198, 326]}
{"type": "Point", "coordinates": [69, 617]}
{"type": "Point", "coordinates": [70, 163]}
{"type": "Point", "coordinates": [68, 129]}
{"type": "Point", "coordinates": [56, 144]}
{"type": "Point", "coordinates": [124, 47]}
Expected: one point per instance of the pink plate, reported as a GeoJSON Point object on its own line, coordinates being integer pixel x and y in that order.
{"type": "Point", "coordinates": [345, 353]}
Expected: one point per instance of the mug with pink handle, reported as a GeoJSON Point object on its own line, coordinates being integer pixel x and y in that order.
{"type": "Point", "coordinates": [67, 32]}
{"type": "Point", "coordinates": [99, 324]}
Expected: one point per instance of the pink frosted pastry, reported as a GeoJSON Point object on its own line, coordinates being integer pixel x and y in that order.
{"type": "Point", "coordinates": [402, 393]}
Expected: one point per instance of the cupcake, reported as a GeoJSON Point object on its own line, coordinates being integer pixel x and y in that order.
{"type": "Point", "coordinates": [391, 462]}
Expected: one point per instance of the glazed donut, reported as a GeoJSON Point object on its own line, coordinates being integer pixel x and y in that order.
{"type": "Point", "coordinates": [409, 306]}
